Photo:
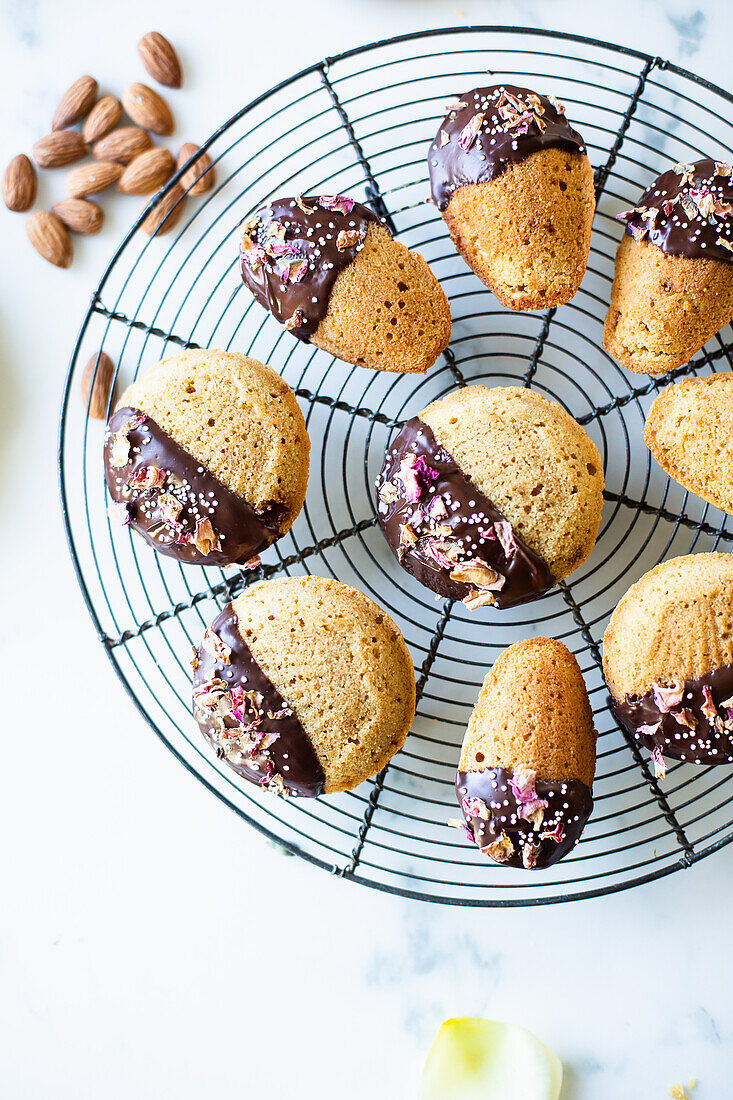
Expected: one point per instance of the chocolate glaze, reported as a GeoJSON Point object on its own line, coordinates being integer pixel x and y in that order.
{"type": "Point", "coordinates": [499, 141]}
{"type": "Point", "coordinates": [711, 739]}
{"type": "Point", "coordinates": [241, 531]}
{"type": "Point", "coordinates": [669, 214]}
{"type": "Point", "coordinates": [301, 303]}
{"type": "Point", "coordinates": [527, 575]}
{"type": "Point", "coordinates": [289, 764]}
{"type": "Point", "coordinates": [569, 804]}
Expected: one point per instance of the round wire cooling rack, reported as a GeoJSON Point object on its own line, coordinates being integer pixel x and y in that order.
{"type": "Point", "coordinates": [360, 124]}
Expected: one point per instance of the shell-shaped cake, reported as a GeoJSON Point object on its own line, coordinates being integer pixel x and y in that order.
{"type": "Point", "coordinates": [673, 283]}
{"type": "Point", "coordinates": [668, 660]}
{"type": "Point", "coordinates": [329, 271]}
{"type": "Point", "coordinates": [525, 776]}
{"type": "Point", "coordinates": [513, 182]}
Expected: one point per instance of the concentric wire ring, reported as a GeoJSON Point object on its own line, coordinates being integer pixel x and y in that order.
{"type": "Point", "coordinates": [361, 124]}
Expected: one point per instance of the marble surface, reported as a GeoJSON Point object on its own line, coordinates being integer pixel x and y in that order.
{"type": "Point", "coordinates": [150, 943]}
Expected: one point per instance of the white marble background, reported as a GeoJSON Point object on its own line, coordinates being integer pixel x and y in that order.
{"type": "Point", "coordinates": [151, 944]}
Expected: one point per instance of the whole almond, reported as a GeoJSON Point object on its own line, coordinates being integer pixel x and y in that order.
{"type": "Point", "coordinates": [200, 177]}
{"type": "Point", "coordinates": [159, 59]}
{"type": "Point", "coordinates": [165, 216]}
{"type": "Point", "coordinates": [147, 172]}
{"type": "Point", "coordinates": [104, 115]}
{"type": "Point", "coordinates": [76, 102]}
{"type": "Point", "coordinates": [148, 109]}
{"type": "Point", "coordinates": [50, 237]}
{"type": "Point", "coordinates": [98, 376]}
{"type": "Point", "coordinates": [89, 179]}
{"type": "Point", "coordinates": [79, 215]}
{"type": "Point", "coordinates": [20, 184]}
{"type": "Point", "coordinates": [123, 145]}
{"type": "Point", "coordinates": [59, 148]}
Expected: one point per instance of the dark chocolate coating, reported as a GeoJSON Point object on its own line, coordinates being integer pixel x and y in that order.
{"type": "Point", "coordinates": [539, 124]}
{"type": "Point", "coordinates": [711, 739]}
{"type": "Point", "coordinates": [311, 237]}
{"type": "Point", "coordinates": [569, 804]}
{"type": "Point", "coordinates": [289, 764]}
{"type": "Point", "coordinates": [679, 226]}
{"type": "Point", "coordinates": [527, 574]}
{"type": "Point", "coordinates": [241, 531]}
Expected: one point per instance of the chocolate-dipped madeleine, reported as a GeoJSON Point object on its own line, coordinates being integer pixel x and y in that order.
{"type": "Point", "coordinates": [304, 686]}
{"type": "Point", "coordinates": [328, 270]}
{"type": "Point", "coordinates": [514, 185]}
{"type": "Point", "coordinates": [673, 284]}
{"type": "Point", "coordinates": [525, 776]}
{"type": "Point", "coordinates": [668, 660]}
{"type": "Point", "coordinates": [490, 496]}
{"type": "Point", "coordinates": [206, 457]}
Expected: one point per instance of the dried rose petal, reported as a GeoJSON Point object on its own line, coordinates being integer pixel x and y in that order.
{"type": "Point", "coordinates": [120, 450]}
{"type": "Point", "coordinates": [253, 563]}
{"type": "Point", "coordinates": [252, 253]}
{"type": "Point", "coordinates": [436, 507]}
{"type": "Point", "coordinates": [146, 477]}
{"type": "Point", "coordinates": [667, 697]}
{"type": "Point", "coordinates": [725, 244]}
{"type": "Point", "coordinates": [347, 238]}
{"type": "Point", "coordinates": [470, 131]}
{"type": "Point", "coordinates": [294, 321]}
{"type": "Point", "coordinates": [556, 834]}
{"type": "Point", "coordinates": [443, 552]}
{"type": "Point", "coordinates": [408, 476]}
{"type": "Point", "coordinates": [135, 422]}
{"type": "Point", "coordinates": [660, 764]}
{"type": "Point", "coordinates": [388, 492]}
{"type": "Point", "coordinates": [169, 508]}
{"type": "Point", "coordinates": [444, 138]}
{"type": "Point", "coordinates": [479, 598]}
{"type": "Point", "coordinates": [500, 850]}
{"type": "Point", "coordinates": [214, 646]}
{"type": "Point", "coordinates": [649, 731]}
{"type": "Point", "coordinates": [638, 232]}
{"type": "Point", "coordinates": [205, 538]}
{"type": "Point", "coordinates": [529, 855]}
{"type": "Point", "coordinates": [337, 202]}
{"type": "Point", "coordinates": [119, 512]}
{"type": "Point", "coordinates": [686, 171]}
{"type": "Point", "coordinates": [475, 807]}
{"type": "Point", "coordinates": [475, 571]}
{"type": "Point", "coordinates": [407, 535]}
{"type": "Point", "coordinates": [505, 534]}
{"type": "Point", "coordinates": [456, 824]}
{"type": "Point", "coordinates": [708, 707]}
{"type": "Point", "coordinates": [303, 206]}
{"type": "Point", "coordinates": [686, 718]}
{"type": "Point", "coordinates": [522, 782]}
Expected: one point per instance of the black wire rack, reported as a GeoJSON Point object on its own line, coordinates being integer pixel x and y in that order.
{"type": "Point", "coordinates": [360, 124]}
